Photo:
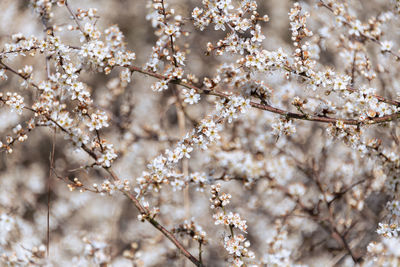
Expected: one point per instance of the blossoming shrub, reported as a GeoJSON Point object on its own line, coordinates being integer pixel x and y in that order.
{"type": "Point", "coordinates": [206, 133]}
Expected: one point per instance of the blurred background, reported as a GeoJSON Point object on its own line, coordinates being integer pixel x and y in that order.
{"type": "Point", "coordinates": [87, 229]}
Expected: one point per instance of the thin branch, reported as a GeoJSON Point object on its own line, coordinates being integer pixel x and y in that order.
{"type": "Point", "coordinates": [52, 154]}
{"type": "Point", "coordinates": [171, 38]}
{"type": "Point", "coordinates": [76, 20]}
{"type": "Point", "coordinates": [5, 66]}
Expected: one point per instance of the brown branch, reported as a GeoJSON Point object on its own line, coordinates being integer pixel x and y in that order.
{"type": "Point", "coordinates": [266, 107]}
{"type": "Point", "coordinates": [353, 68]}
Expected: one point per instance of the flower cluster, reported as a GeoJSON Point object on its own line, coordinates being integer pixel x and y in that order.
{"type": "Point", "coordinates": [97, 121]}
{"type": "Point", "coordinates": [230, 109]}
{"type": "Point", "coordinates": [193, 230]}
{"type": "Point", "coordinates": [191, 96]}
{"type": "Point", "coordinates": [14, 100]}
{"type": "Point", "coordinates": [106, 54]}
{"type": "Point", "coordinates": [230, 219]}
{"type": "Point", "coordinates": [109, 188]}
{"type": "Point", "coordinates": [108, 154]}
{"type": "Point", "coordinates": [283, 126]}
{"type": "Point", "coordinates": [387, 230]}
{"type": "Point", "coordinates": [239, 19]}
{"type": "Point", "coordinates": [235, 244]}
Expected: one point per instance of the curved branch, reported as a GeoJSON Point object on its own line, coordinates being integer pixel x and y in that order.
{"type": "Point", "coordinates": [135, 201]}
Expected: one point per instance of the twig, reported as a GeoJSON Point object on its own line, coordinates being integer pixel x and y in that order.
{"type": "Point", "coordinates": [48, 192]}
